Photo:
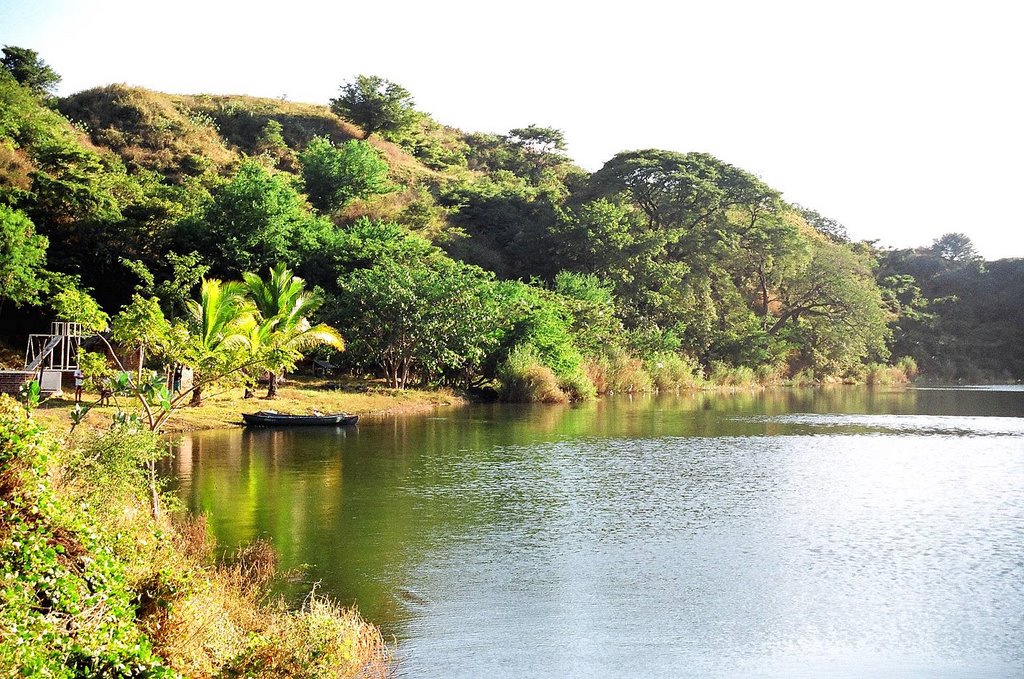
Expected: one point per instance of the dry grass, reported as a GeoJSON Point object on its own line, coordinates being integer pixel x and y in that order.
{"type": "Point", "coordinates": [219, 620]}
{"type": "Point", "coordinates": [146, 128]}
{"type": "Point", "coordinates": [297, 396]}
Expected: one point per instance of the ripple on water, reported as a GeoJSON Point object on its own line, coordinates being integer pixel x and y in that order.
{"type": "Point", "coordinates": [889, 424]}
{"type": "Point", "coordinates": [736, 555]}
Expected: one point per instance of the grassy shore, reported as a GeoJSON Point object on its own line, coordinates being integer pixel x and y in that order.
{"type": "Point", "coordinates": [301, 395]}
{"type": "Point", "coordinates": [97, 581]}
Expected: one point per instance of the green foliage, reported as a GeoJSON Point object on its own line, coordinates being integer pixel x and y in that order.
{"type": "Point", "coordinates": [375, 104]}
{"type": "Point", "coordinates": [595, 325]}
{"type": "Point", "coordinates": [94, 367]}
{"type": "Point", "coordinates": [29, 394]}
{"type": "Point", "coordinates": [22, 258]}
{"type": "Point", "coordinates": [617, 371]}
{"type": "Point", "coordinates": [826, 226]}
{"type": "Point", "coordinates": [511, 217]}
{"type": "Point", "coordinates": [141, 325]}
{"type": "Point", "coordinates": [282, 328]}
{"type": "Point", "coordinates": [671, 371]}
{"type": "Point", "coordinates": [272, 144]}
{"type": "Point", "coordinates": [525, 379]}
{"type": "Point", "coordinates": [543, 322]}
{"type": "Point", "coordinates": [724, 375]}
{"type": "Point", "coordinates": [440, 319]}
{"type": "Point", "coordinates": [578, 386]}
{"type": "Point", "coordinates": [75, 305]}
{"type": "Point", "coordinates": [436, 146]}
{"type": "Point", "coordinates": [956, 248]}
{"type": "Point", "coordinates": [29, 70]}
{"type": "Point", "coordinates": [216, 343]}
{"type": "Point", "coordinates": [66, 607]}
{"type": "Point", "coordinates": [254, 221]}
{"type": "Point", "coordinates": [334, 176]}
{"type": "Point", "coordinates": [538, 140]}
{"type": "Point", "coordinates": [958, 319]}
{"type": "Point", "coordinates": [834, 311]}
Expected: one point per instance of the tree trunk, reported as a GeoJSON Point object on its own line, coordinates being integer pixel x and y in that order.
{"type": "Point", "coordinates": [154, 492]}
{"type": "Point", "coordinates": [142, 359]}
{"type": "Point", "coordinates": [197, 395]}
{"type": "Point", "coordinates": [272, 385]}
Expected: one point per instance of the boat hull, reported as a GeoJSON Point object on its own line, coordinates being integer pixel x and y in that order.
{"type": "Point", "coordinates": [279, 420]}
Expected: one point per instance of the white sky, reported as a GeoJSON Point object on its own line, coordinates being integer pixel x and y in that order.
{"type": "Point", "coordinates": [902, 120]}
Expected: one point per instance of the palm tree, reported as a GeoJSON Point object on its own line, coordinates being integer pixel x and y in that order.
{"type": "Point", "coordinates": [217, 332]}
{"type": "Point", "coordinates": [284, 306]}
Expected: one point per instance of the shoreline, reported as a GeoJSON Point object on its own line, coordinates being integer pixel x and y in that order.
{"type": "Point", "coordinates": [299, 395]}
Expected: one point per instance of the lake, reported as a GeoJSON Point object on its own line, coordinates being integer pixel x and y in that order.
{"type": "Point", "coordinates": [841, 532]}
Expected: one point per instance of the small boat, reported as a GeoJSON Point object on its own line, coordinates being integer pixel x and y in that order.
{"type": "Point", "coordinates": [270, 418]}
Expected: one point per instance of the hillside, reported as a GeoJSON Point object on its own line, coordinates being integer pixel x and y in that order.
{"type": "Point", "coordinates": [657, 254]}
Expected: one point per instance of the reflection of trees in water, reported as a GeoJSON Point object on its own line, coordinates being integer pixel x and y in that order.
{"type": "Point", "coordinates": [374, 506]}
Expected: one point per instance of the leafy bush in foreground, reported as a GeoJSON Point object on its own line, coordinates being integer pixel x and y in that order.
{"type": "Point", "coordinates": [65, 606]}
{"type": "Point", "coordinates": [92, 585]}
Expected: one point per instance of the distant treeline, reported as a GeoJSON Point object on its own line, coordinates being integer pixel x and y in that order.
{"type": "Point", "coordinates": [452, 258]}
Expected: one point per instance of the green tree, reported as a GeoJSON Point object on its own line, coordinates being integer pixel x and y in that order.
{"type": "Point", "coordinates": [29, 70]}
{"type": "Point", "coordinates": [833, 310]}
{"type": "Point", "coordinates": [826, 226]}
{"type": "Point", "coordinates": [543, 321]}
{"type": "Point", "coordinates": [255, 220]}
{"type": "Point", "coordinates": [22, 259]}
{"type": "Point", "coordinates": [284, 307]}
{"type": "Point", "coordinates": [141, 325]}
{"type": "Point", "coordinates": [216, 346]}
{"type": "Point", "coordinates": [74, 305]}
{"type": "Point", "coordinates": [538, 140]}
{"type": "Point", "coordinates": [375, 104]}
{"type": "Point", "coordinates": [333, 176]}
{"type": "Point", "coordinates": [442, 319]}
{"type": "Point", "coordinates": [956, 248]}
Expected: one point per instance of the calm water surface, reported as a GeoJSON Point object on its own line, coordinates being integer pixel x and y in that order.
{"type": "Point", "coordinates": [839, 533]}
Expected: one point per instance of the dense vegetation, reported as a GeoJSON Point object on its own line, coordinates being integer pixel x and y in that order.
{"type": "Point", "coordinates": [452, 258]}
{"type": "Point", "coordinates": [233, 234]}
{"type": "Point", "coordinates": [95, 586]}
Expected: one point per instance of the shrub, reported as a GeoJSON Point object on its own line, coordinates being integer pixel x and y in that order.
{"type": "Point", "coordinates": [623, 373]}
{"type": "Point", "coordinates": [909, 367]}
{"type": "Point", "coordinates": [320, 640]}
{"type": "Point", "coordinates": [524, 379]}
{"type": "Point", "coordinates": [65, 605]}
{"type": "Point", "coordinates": [671, 371]}
{"type": "Point", "coordinates": [803, 378]}
{"type": "Point", "coordinates": [878, 373]}
{"type": "Point", "coordinates": [724, 375]}
{"type": "Point", "coordinates": [578, 387]}
{"type": "Point", "coordinates": [767, 374]}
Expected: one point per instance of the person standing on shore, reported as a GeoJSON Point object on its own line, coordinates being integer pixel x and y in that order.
{"type": "Point", "coordinates": [79, 381]}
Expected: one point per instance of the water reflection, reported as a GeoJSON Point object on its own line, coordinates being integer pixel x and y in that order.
{"type": "Point", "coordinates": [776, 533]}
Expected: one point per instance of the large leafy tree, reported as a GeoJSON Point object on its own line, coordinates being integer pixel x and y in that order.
{"type": "Point", "coordinates": [334, 175]}
{"type": "Point", "coordinates": [956, 248]}
{"type": "Point", "coordinates": [679, 191]}
{"type": "Point", "coordinates": [833, 310]}
{"type": "Point", "coordinates": [22, 259]}
{"type": "Point", "coordinates": [29, 70]}
{"type": "Point", "coordinates": [375, 104]}
{"type": "Point", "coordinates": [254, 221]}
{"type": "Point", "coordinates": [284, 307]}
{"type": "Point", "coordinates": [440, 320]}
